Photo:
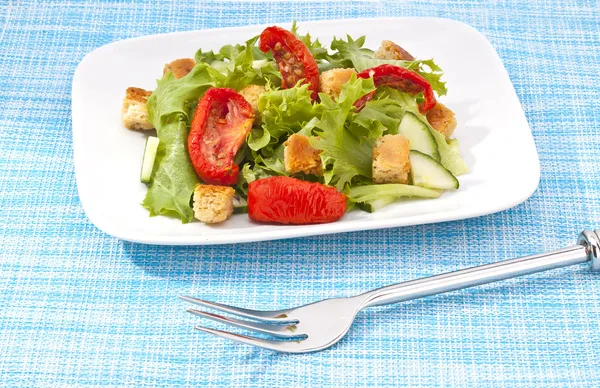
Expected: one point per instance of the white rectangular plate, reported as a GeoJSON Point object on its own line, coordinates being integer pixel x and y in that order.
{"type": "Point", "coordinates": [495, 138]}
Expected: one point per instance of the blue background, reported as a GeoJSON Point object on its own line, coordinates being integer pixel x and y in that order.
{"type": "Point", "coordinates": [78, 307]}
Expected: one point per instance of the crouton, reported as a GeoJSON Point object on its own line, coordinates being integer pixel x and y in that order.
{"type": "Point", "coordinates": [391, 163]}
{"type": "Point", "coordinates": [331, 81]}
{"type": "Point", "coordinates": [442, 119]}
{"type": "Point", "coordinates": [134, 113]}
{"type": "Point", "coordinates": [213, 204]}
{"type": "Point", "coordinates": [251, 93]}
{"type": "Point", "coordinates": [300, 156]}
{"type": "Point", "coordinates": [180, 67]}
{"type": "Point", "coordinates": [390, 50]}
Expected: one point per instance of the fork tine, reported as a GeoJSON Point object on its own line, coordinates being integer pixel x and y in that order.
{"type": "Point", "coordinates": [282, 331]}
{"type": "Point", "coordinates": [280, 346]}
{"type": "Point", "coordinates": [279, 316]}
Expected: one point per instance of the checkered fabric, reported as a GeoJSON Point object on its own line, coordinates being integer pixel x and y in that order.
{"type": "Point", "coordinates": [80, 308]}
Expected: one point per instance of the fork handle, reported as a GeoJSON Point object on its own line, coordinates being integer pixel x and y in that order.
{"type": "Point", "coordinates": [586, 250]}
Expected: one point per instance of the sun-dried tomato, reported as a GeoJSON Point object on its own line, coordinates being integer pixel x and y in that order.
{"type": "Point", "coordinates": [223, 119]}
{"type": "Point", "coordinates": [287, 200]}
{"type": "Point", "coordinates": [398, 78]}
{"type": "Point", "coordinates": [294, 59]}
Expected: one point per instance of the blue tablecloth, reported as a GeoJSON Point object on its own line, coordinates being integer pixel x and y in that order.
{"type": "Point", "coordinates": [79, 308]}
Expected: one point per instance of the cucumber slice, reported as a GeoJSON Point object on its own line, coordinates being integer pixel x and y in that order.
{"type": "Point", "coordinates": [427, 172]}
{"type": "Point", "coordinates": [239, 201]}
{"type": "Point", "coordinates": [376, 204]}
{"type": "Point", "coordinates": [419, 136]}
{"type": "Point", "coordinates": [240, 205]}
{"type": "Point", "coordinates": [149, 157]}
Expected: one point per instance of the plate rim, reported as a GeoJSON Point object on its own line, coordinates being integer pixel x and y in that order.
{"type": "Point", "coordinates": [306, 230]}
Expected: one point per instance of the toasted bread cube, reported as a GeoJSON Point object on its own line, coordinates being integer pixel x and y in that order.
{"type": "Point", "coordinates": [391, 163]}
{"type": "Point", "coordinates": [180, 67]}
{"type": "Point", "coordinates": [300, 156]}
{"type": "Point", "coordinates": [252, 93]}
{"type": "Point", "coordinates": [134, 113]}
{"type": "Point", "coordinates": [390, 50]}
{"type": "Point", "coordinates": [442, 119]}
{"type": "Point", "coordinates": [213, 204]}
{"type": "Point", "coordinates": [331, 81]}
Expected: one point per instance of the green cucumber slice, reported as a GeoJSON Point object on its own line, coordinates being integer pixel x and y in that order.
{"type": "Point", "coordinates": [239, 201]}
{"type": "Point", "coordinates": [148, 160]}
{"type": "Point", "coordinates": [427, 172]}
{"type": "Point", "coordinates": [419, 136]}
{"type": "Point", "coordinates": [240, 205]}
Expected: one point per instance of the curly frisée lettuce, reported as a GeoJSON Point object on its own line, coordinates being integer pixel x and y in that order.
{"type": "Point", "coordinates": [283, 112]}
{"type": "Point", "coordinates": [239, 66]}
{"type": "Point", "coordinates": [344, 155]}
{"type": "Point", "coordinates": [345, 142]}
{"type": "Point", "coordinates": [379, 116]}
{"type": "Point", "coordinates": [316, 48]}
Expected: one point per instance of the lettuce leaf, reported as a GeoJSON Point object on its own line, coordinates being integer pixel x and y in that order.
{"type": "Point", "coordinates": [170, 109]}
{"type": "Point", "coordinates": [369, 193]}
{"type": "Point", "coordinates": [316, 48]}
{"type": "Point", "coordinates": [450, 154]}
{"type": "Point", "coordinates": [274, 164]}
{"type": "Point", "coordinates": [448, 149]}
{"type": "Point", "coordinates": [432, 73]}
{"type": "Point", "coordinates": [344, 155]}
{"type": "Point", "coordinates": [283, 112]}
{"type": "Point", "coordinates": [239, 66]}
{"type": "Point", "coordinates": [351, 53]}
{"type": "Point", "coordinates": [379, 117]}
{"type": "Point", "coordinates": [250, 173]}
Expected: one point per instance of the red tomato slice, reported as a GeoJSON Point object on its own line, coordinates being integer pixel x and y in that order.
{"type": "Point", "coordinates": [288, 200]}
{"type": "Point", "coordinates": [399, 78]}
{"type": "Point", "coordinates": [293, 58]}
{"type": "Point", "coordinates": [223, 119]}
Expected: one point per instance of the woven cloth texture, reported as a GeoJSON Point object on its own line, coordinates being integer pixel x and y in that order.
{"type": "Point", "coordinates": [80, 308]}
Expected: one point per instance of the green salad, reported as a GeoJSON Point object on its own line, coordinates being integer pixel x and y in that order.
{"type": "Point", "coordinates": [358, 116]}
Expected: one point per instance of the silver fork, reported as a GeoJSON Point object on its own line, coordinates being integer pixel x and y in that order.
{"type": "Point", "coordinates": [319, 325]}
